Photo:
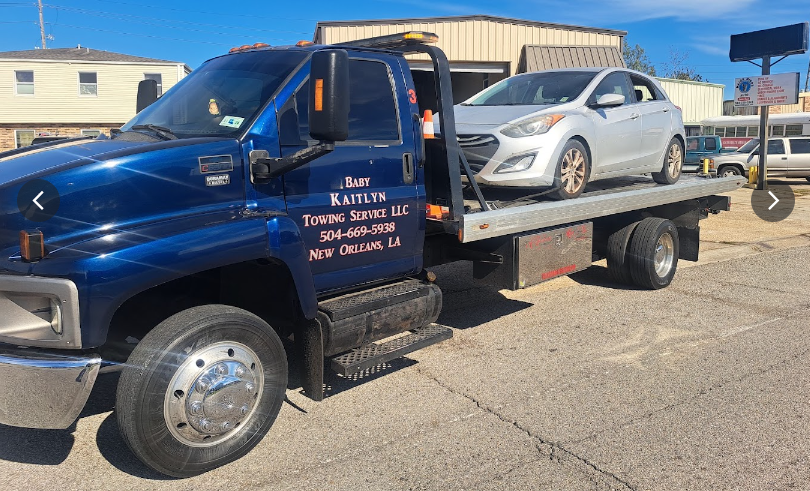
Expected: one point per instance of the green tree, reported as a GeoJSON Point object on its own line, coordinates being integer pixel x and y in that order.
{"type": "Point", "coordinates": [636, 59]}
{"type": "Point", "coordinates": [677, 68]}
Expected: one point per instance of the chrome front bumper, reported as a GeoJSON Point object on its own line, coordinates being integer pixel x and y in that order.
{"type": "Point", "coordinates": [45, 390]}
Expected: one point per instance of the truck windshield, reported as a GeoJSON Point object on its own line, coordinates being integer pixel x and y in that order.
{"type": "Point", "coordinates": [749, 146]}
{"type": "Point", "coordinates": [222, 97]}
{"type": "Point", "coordinates": [535, 89]}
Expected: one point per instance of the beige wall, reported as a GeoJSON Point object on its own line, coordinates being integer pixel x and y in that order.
{"type": "Point", "coordinates": [475, 40]}
{"type": "Point", "coordinates": [56, 96]}
{"type": "Point", "coordinates": [697, 100]}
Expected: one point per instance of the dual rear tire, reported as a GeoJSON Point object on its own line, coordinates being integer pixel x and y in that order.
{"type": "Point", "coordinates": [644, 253]}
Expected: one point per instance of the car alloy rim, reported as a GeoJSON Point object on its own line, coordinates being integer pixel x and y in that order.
{"type": "Point", "coordinates": [674, 160]}
{"type": "Point", "coordinates": [664, 255]}
{"type": "Point", "coordinates": [213, 394]}
{"type": "Point", "coordinates": [572, 171]}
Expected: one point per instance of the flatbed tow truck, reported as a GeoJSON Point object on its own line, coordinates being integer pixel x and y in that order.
{"type": "Point", "coordinates": [277, 194]}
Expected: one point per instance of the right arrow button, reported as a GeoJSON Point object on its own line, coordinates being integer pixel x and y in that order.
{"type": "Point", "coordinates": [774, 204]}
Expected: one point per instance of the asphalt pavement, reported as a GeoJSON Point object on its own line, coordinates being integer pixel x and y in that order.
{"type": "Point", "coordinates": [578, 383]}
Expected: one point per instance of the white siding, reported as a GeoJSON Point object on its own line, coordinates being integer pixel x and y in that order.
{"type": "Point", "coordinates": [56, 96]}
{"type": "Point", "coordinates": [697, 100]}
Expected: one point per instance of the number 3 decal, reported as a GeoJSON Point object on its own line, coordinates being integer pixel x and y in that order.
{"type": "Point", "coordinates": [412, 96]}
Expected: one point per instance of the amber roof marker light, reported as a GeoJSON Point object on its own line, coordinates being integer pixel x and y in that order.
{"type": "Point", "coordinates": [394, 40]}
{"type": "Point", "coordinates": [32, 246]}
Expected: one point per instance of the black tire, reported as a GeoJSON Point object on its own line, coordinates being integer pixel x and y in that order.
{"type": "Point", "coordinates": [570, 184]}
{"type": "Point", "coordinates": [728, 171]}
{"type": "Point", "coordinates": [618, 265]}
{"type": "Point", "coordinates": [672, 164]}
{"type": "Point", "coordinates": [650, 267]}
{"type": "Point", "coordinates": [212, 347]}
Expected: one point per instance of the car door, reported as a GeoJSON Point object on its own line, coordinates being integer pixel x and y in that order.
{"type": "Point", "coordinates": [777, 164]}
{"type": "Point", "coordinates": [799, 157]}
{"type": "Point", "coordinates": [656, 121]}
{"type": "Point", "coordinates": [356, 207]}
{"type": "Point", "coordinates": [617, 128]}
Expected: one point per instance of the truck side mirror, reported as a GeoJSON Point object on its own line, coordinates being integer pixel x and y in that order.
{"type": "Point", "coordinates": [147, 94]}
{"type": "Point", "coordinates": [329, 95]}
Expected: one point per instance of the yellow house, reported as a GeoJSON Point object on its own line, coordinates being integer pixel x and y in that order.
{"type": "Point", "coordinates": [73, 91]}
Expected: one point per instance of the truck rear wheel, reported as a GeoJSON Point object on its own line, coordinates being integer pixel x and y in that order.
{"type": "Point", "coordinates": [201, 390]}
{"type": "Point", "coordinates": [618, 265]}
{"type": "Point", "coordinates": [673, 162]}
{"type": "Point", "coordinates": [653, 253]}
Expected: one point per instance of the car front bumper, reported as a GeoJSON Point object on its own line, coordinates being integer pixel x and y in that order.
{"type": "Point", "coordinates": [44, 389]}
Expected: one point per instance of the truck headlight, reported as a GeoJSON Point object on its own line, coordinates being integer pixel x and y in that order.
{"type": "Point", "coordinates": [515, 164]}
{"type": "Point", "coordinates": [536, 125]}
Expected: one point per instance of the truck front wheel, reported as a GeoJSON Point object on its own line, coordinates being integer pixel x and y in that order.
{"type": "Point", "coordinates": [201, 390]}
{"type": "Point", "coordinates": [653, 253]}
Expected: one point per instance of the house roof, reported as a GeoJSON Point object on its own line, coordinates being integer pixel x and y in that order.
{"type": "Point", "coordinates": [534, 58]}
{"type": "Point", "coordinates": [461, 18]}
{"type": "Point", "coordinates": [79, 53]}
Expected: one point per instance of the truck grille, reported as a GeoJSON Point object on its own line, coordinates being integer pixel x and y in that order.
{"type": "Point", "coordinates": [478, 149]}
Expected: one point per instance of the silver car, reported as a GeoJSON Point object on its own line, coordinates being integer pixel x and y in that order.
{"type": "Point", "coordinates": [563, 128]}
{"type": "Point", "coordinates": [787, 157]}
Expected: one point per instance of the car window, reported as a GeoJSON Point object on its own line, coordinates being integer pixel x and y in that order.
{"type": "Point", "coordinates": [644, 89]}
{"type": "Point", "coordinates": [691, 144]}
{"type": "Point", "coordinates": [776, 147]}
{"type": "Point", "coordinates": [710, 144]}
{"type": "Point", "coordinates": [615, 83]}
{"type": "Point", "coordinates": [551, 87]}
{"type": "Point", "coordinates": [799, 145]}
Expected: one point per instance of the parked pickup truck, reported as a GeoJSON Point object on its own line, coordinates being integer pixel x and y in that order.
{"type": "Point", "coordinates": [787, 157]}
{"type": "Point", "coordinates": [700, 147]}
{"type": "Point", "coordinates": [277, 194]}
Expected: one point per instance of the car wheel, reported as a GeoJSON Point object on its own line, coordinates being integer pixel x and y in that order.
{"type": "Point", "coordinates": [201, 390]}
{"type": "Point", "coordinates": [573, 171]}
{"type": "Point", "coordinates": [617, 263]}
{"type": "Point", "coordinates": [728, 171]}
{"type": "Point", "coordinates": [653, 253]}
{"type": "Point", "coordinates": [673, 162]}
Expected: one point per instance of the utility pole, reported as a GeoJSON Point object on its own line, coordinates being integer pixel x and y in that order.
{"type": "Point", "coordinates": [41, 24]}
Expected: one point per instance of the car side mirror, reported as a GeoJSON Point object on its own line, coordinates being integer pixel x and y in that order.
{"type": "Point", "coordinates": [607, 100]}
{"type": "Point", "coordinates": [329, 95]}
{"type": "Point", "coordinates": [147, 94]}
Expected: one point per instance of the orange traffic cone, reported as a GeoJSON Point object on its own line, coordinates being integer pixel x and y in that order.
{"type": "Point", "coordinates": [427, 125]}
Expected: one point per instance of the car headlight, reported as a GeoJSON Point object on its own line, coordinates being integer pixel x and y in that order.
{"type": "Point", "coordinates": [536, 125]}
{"type": "Point", "coordinates": [515, 164]}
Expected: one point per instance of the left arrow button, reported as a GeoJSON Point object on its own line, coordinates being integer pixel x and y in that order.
{"type": "Point", "coordinates": [38, 200]}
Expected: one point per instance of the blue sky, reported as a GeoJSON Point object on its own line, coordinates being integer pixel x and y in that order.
{"type": "Point", "coordinates": [192, 32]}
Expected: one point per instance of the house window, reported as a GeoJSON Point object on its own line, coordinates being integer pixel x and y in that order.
{"type": "Point", "coordinates": [88, 83]}
{"type": "Point", "coordinates": [25, 82]}
{"type": "Point", "coordinates": [23, 138]}
{"type": "Point", "coordinates": [157, 78]}
{"type": "Point", "coordinates": [93, 133]}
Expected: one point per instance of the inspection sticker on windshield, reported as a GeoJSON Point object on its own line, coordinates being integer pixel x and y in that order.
{"type": "Point", "coordinates": [218, 180]}
{"type": "Point", "coordinates": [231, 121]}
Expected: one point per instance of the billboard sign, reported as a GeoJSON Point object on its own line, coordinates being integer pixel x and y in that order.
{"type": "Point", "coordinates": [779, 41]}
{"type": "Point", "coordinates": [767, 90]}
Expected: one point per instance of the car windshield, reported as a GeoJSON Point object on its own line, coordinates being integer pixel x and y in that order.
{"type": "Point", "coordinates": [535, 89]}
{"type": "Point", "coordinates": [749, 146]}
{"type": "Point", "coordinates": [222, 97]}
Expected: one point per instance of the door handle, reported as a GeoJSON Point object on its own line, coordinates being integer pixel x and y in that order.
{"type": "Point", "coordinates": [784, 158]}
{"type": "Point", "coordinates": [407, 167]}
{"type": "Point", "coordinates": [634, 116]}
{"type": "Point", "coordinates": [666, 110]}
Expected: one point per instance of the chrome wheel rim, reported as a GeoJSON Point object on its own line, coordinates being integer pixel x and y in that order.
{"type": "Point", "coordinates": [674, 159]}
{"type": "Point", "coordinates": [664, 255]}
{"type": "Point", "coordinates": [572, 171]}
{"type": "Point", "coordinates": [213, 394]}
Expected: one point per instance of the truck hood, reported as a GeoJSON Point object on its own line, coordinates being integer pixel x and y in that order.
{"type": "Point", "coordinates": [109, 185]}
{"type": "Point", "coordinates": [729, 157]}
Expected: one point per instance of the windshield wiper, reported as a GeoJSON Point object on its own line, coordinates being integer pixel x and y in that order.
{"type": "Point", "coordinates": [160, 131]}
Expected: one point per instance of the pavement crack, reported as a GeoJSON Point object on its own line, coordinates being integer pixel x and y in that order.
{"type": "Point", "coordinates": [549, 449]}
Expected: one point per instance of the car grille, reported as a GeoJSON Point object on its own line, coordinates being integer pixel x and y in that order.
{"type": "Point", "coordinates": [478, 149]}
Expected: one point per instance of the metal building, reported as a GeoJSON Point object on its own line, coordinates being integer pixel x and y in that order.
{"type": "Point", "coordinates": [697, 100]}
{"type": "Point", "coordinates": [484, 49]}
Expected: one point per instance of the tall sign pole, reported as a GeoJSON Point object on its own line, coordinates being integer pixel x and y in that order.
{"type": "Point", "coordinates": [41, 24]}
{"type": "Point", "coordinates": [762, 182]}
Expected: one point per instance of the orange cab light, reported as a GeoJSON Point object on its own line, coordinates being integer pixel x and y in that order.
{"type": "Point", "coordinates": [261, 45]}
{"type": "Point", "coordinates": [32, 246]}
{"type": "Point", "coordinates": [319, 94]}
{"type": "Point", "coordinates": [425, 37]}
{"type": "Point", "coordinates": [304, 43]}
{"type": "Point", "coordinates": [245, 46]}
{"type": "Point", "coordinates": [234, 49]}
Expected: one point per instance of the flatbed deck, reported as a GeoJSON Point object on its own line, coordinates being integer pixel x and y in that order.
{"type": "Point", "coordinates": [518, 212]}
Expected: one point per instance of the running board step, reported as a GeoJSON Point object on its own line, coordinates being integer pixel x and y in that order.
{"type": "Point", "coordinates": [374, 354]}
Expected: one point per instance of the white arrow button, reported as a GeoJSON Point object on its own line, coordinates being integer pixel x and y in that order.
{"type": "Point", "coordinates": [35, 200]}
{"type": "Point", "coordinates": [775, 200]}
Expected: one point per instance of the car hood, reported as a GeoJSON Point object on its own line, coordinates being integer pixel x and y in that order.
{"type": "Point", "coordinates": [496, 115]}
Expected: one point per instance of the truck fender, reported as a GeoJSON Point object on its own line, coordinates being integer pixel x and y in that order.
{"type": "Point", "coordinates": [284, 242]}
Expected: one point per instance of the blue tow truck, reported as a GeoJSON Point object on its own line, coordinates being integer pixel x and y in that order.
{"type": "Point", "coordinates": [279, 202]}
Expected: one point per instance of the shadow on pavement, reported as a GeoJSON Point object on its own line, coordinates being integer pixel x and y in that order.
{"type": "Point", "coordinates": [463, 309]}
{"type": "Point", "coordinates": [598, 276]}
{"type": "Point", "coordinates": [115, 450]}
{"type": "Point", "coordinates": [41, 447]}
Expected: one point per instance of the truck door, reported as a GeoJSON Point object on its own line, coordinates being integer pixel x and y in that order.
{"type": "Point", "coordinates": [777, 158]}
{"type": "Point", "coordinates": [799, 163]}
{"type": "Point", "coordinates": [356, 207]}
